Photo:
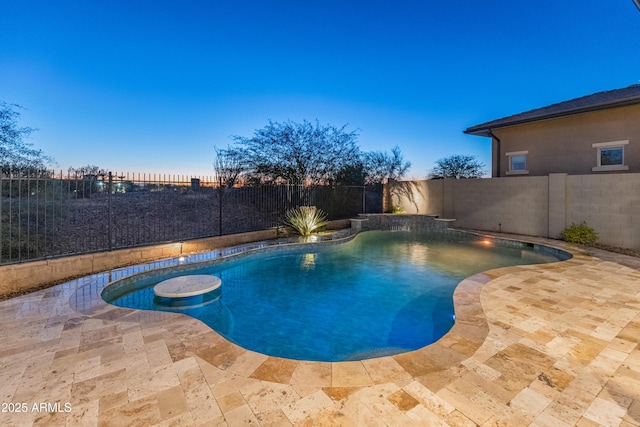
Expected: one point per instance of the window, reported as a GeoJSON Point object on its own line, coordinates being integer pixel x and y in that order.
{"type": "Point", "coordinates": [610, 156]}
{"type": "Point", "coordinates": [517, 163]}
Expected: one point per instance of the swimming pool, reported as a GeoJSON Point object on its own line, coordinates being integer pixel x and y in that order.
{"type": "Point", "coordinates": [380, 293]}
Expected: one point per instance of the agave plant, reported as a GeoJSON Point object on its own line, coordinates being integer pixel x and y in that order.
{"type": "Point", "coordinates": [305, 219]}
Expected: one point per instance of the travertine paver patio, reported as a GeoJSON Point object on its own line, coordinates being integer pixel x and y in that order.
{"type": "Point", "coordinates": [549, 345]}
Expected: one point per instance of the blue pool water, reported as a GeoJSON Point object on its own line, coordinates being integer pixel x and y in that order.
{"type": "Point", "coordinates": [379, 294]}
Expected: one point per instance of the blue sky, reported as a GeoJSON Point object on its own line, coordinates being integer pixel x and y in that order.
{"type": "Point", "coordinates": [151, 86]}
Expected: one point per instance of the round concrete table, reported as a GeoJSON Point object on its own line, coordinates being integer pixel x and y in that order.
{"type": "Point", "coordinates": [187, 286]}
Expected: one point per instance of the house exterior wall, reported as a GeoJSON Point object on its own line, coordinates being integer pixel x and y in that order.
{"type": "Point", "coordinates": [564, 144]}
{"type": "Point", "coordinates": [536, 205]}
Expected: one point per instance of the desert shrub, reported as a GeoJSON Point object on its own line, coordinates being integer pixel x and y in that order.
{"type": "Point", "coordinates": [305, 219]}
{"type": "Point", "coordinates": [579, 233]}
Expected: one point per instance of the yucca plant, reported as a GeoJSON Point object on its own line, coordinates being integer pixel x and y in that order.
{"type": "Point", "coordinates": [305, 219]}
{"type": "Point", "coordinates": [396, 210]}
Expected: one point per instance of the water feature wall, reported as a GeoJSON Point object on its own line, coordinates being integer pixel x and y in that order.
{"type": "Point", "coordinates": [405, 222]}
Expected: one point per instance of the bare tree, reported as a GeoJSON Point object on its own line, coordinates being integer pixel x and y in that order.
{"type": "Point", "coordinates": [297, 153]}
{"type": "Point", "coordinates": [381, 167]}
{"type": "Point", "coordinates": [457, 166]}
{"type": "Point", "coordinates": [229, 165]}
{"type": "Point", "coordinates": [88, 170]}
{"type": "Point", "coordinates": [17, 155]}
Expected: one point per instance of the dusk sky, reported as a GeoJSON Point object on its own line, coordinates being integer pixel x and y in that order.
{"type": "Point", "coordinates": [151, 86]}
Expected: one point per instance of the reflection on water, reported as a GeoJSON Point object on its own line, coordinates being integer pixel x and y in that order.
{"type": "Point", "coordinates": [309, 261]}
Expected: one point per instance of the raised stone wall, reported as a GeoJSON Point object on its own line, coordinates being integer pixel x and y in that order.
{"type": "Point", "coordinates": [407, 222]}
{"type": "Point", "coordinates": [17, 277]}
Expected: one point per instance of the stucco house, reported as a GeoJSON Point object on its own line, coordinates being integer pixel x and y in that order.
{"type": "Point", "coordinates": [594, 134]}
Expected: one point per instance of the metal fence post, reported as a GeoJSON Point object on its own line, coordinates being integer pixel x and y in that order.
{"type": "Point", "coordinates": [2, 244]}
{"type": "Point", "coordinates": [220, 191]}
{"type": "Point", "coordinates": [110, 213]}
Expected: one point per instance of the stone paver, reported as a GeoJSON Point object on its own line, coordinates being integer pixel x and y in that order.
{"type": "Point", "coordinates": [554, 344]}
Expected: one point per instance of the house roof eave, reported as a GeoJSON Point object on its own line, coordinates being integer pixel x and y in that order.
{"type": "Point", "coordinates": [557, 110]}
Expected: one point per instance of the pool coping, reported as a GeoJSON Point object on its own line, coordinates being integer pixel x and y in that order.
{"type": "Point", "coordinates": [216, 256]}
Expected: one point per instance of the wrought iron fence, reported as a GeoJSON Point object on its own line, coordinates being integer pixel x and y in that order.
{"type": "Point", "coordinates": [45, 214]}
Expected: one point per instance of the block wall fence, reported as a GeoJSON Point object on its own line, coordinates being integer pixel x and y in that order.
{"type": "Point", "coordinates": [535, 206]}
